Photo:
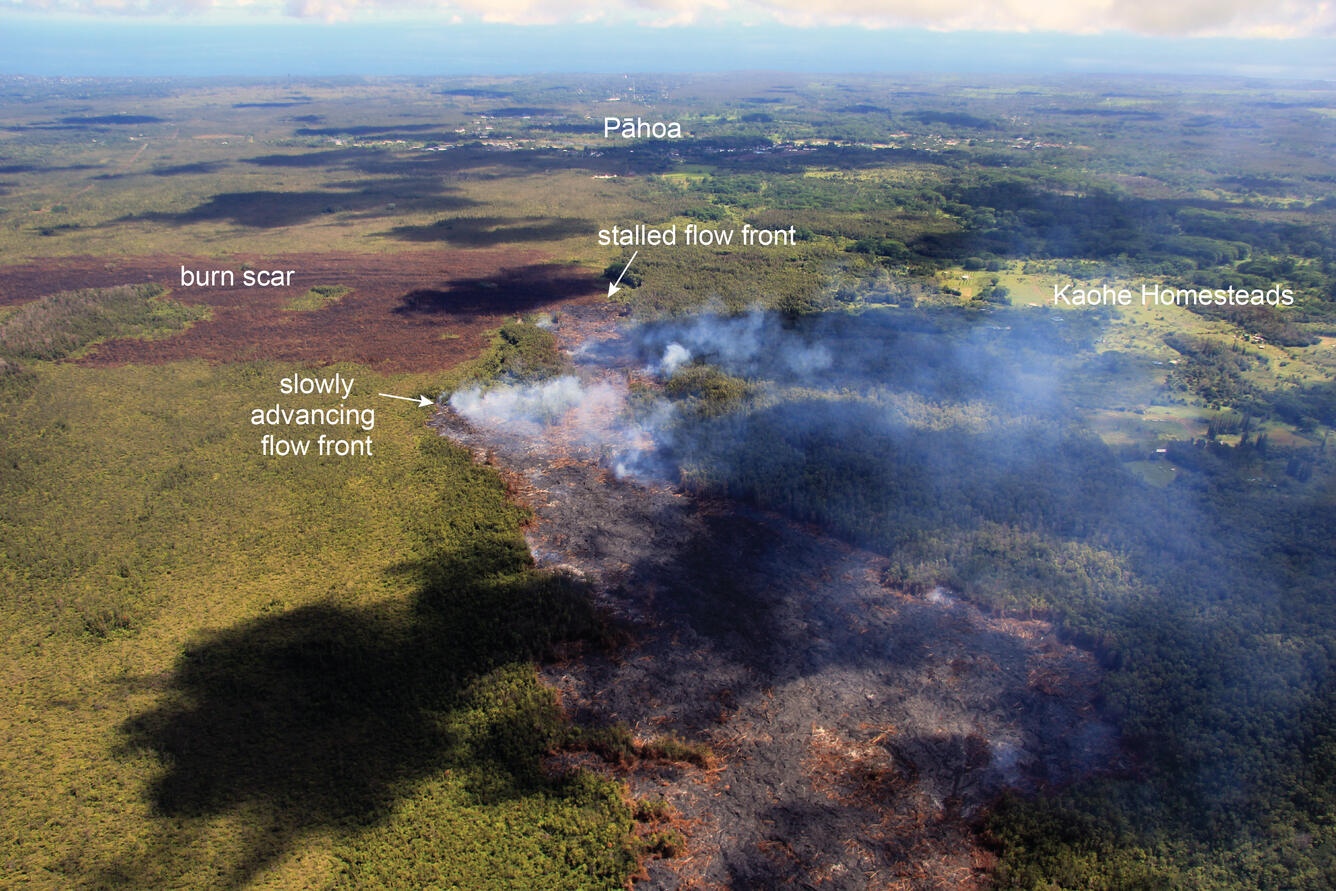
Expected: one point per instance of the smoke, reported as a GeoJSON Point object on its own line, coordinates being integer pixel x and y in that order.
{"type": "Point", "coordinates": [674, 357]}
{"type": "Point", "coordinates": [900, 379]}
{"type": "Point", "coordinates": [960, 445]}
{"type": "Point", "coordinates": [595, 419]}
{"type": "Point", "coordinates": [528, 408]}
{"type": "Point", "coordinates": [924, 368]}
{"type": "Point", "coordinates": [636, 435]}
{"type": "Point", "coordinates": [981, 398]}
{"type": "Point", "coordinates": [750, 345]}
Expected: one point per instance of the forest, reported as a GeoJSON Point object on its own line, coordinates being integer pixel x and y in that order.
{"type": "Point", "coordinates": [343, 674]}
{"type": "Point", "coordinates": [965, 453]}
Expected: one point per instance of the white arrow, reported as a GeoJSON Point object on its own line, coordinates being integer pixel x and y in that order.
{"type": "Point", "coordinates": [421, 400]}
{"type": "Point", "coordinates": [612, 288]}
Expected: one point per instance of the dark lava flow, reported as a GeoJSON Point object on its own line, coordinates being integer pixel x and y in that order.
{"type": "Point", "coordinates": [859, 730]}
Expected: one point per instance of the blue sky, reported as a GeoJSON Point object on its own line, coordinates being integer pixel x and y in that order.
{"type": "Point", "coordinates": [1281, 38]}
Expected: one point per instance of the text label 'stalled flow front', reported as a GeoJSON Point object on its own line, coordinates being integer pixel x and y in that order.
{"type": "Point", "coordinates": [693, 235]}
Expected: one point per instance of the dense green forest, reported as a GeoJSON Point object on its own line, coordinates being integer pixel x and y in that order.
{"type": "Point", "coordinates": [963, 451]}
{"type": "Point", "coordinates": [246, 671]}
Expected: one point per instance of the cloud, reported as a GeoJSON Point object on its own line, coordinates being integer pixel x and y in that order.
{"type": "Point", "coordinates": [1179, 18]}
{"type": "Point", "coordinates": [1207, 18]}
{"type": "Point", "coordinates": [118, 7]}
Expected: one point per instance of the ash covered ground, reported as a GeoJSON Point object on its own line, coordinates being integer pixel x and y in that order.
{"type": "Point", "coordinates": [859, 730]}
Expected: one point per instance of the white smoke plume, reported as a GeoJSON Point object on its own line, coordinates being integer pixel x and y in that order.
{"type": "Point", "coordinates": [528, 408]}
{"type": "Point", "coordinates": [674, 357]}
{"type": "Point", "coordinates": [743, 345]}
{"type": "Point", "coordinates": [592, 419]}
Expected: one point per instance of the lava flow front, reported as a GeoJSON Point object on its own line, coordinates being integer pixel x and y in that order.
{"type": "Point", "coordinates": [858, 731]}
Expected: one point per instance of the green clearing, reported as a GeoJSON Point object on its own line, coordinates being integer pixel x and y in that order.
{"type": "Point", "coordinates": [1156, 473]}
{"type": "Point", "coordinates": [318, 297]}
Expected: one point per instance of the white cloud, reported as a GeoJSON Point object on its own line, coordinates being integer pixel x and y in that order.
{"type": "Point", "coordinates": [1215, 18]}
{"type": "Point", "coordinates": [1234, 18]}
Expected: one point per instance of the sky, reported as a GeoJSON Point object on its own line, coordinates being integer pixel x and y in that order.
{"type": "Point", "coordinates": [1267, 38]}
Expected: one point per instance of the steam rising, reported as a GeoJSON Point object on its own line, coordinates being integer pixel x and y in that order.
{"type": "Point", "coordinates": [528, 408]}
{"type": "Point", "coordinates": [590, 418]}
{"type": "Point", "coordinates": [751, 344]}
{"type": "Point", "coordinates": [594, 412]}
{"type": "Point", "coordinates": [649, 436]}
{"type": "Point", "coordinates": [674, 357]}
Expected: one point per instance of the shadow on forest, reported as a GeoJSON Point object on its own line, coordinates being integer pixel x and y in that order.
{"type": "Point", "coordinates": [330, 158]}
{"type": "Point", "coordinates": [288, 104]}
{"type": "Point", "coordinates": [474, 159]}
{"type": "Point", "coordinates": [116, 119]}
{"type": "Point", "coordinates": [520, 111]}
{"type": "Point", "coordinates": [195, 167]}
{"type": "Point", "coordinates": [38, 168]}
{"type": "Point", "coordinates": [476, 93]}
{"type": "Point", "coordinates": [198, 167]}
{"type": "Point", "coordinates": [263, 209]}
{"type": "Point", "coordinates": [325, 715]}
{"type": "Point", "coordinates": [386, 131]}
{"type": "Point", "coordinates": [473, 156]}
{"type": "Point", "coordinates": [513, 290]}
{"type": "Point", "coordinates": [489, 231]}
